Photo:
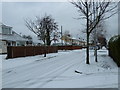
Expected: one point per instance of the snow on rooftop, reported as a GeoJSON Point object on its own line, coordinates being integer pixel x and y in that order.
{"type": "Point", "coordinates": [3, 25]}
{"type": "Point", "coordinates": [12, 37]}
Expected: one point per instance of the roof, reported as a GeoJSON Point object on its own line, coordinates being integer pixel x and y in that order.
{"type": "Point", "coordinates": [73, 38]}
{"type": "Point", "coordinates": [2, 25]}
{"type": "Point", "coordinates": [12, 37]}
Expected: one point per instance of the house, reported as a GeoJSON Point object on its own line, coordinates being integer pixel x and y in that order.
{"type": "Point", "coordinates": [72, 41]}
{"type": "Point", "coordinates": [8, 37]}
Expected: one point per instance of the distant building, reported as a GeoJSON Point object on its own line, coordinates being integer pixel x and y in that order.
{"type": "Point", "coordinates": [8, 37]}
{"type": "Point", "coordinates": [72, 41]}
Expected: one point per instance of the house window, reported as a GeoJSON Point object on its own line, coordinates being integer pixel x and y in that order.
{"type": "Point", "coordinates": [6, 30]}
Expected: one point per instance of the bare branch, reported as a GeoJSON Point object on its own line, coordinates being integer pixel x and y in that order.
{"type": "Point", "coordinates": [42, 27]}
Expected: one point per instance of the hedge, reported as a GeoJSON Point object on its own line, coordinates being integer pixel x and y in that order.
{"type": "Point", "coordinates": [114, 49]}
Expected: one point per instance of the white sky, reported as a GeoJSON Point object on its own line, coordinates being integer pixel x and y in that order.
{"type": "Point", "coordinates": [14, 13]}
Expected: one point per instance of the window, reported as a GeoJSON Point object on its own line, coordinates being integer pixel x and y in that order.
{"type": "Point", "coordinates": [6, 30]}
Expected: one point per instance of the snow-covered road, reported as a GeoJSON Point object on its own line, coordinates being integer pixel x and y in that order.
{"type": "Point", "coordinates": [57, 70]}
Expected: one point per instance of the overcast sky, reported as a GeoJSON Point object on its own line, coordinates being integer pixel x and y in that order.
{"type": "Point", "coordinates": [14, 13]}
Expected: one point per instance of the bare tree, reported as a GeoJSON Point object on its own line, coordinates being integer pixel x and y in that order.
{"type": "Point", "coordinates": [43, 28]}
{"type": "Point", "coordinates": [27, 37]}
{"type": "Point", "coordinates": [93, 13]}
{"type": "Point", "coordinates": [30, 39]}
{"type": "Point", "coordinates": [100, 32]}
{"type": "Point", "coordinates": [56, 36]}
{"type": "Point", "coordinates": [102, 41]}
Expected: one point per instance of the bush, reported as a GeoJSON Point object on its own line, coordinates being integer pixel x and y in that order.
{"type": "Point", "coordinates": [114, 49]}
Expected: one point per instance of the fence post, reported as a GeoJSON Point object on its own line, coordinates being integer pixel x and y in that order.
{"type": "Point", "coordinates": [24, 50]}
{"type": "Point", "coordinates": [34, 50]}
{"type": "Point", "coordinates": [11, 48]}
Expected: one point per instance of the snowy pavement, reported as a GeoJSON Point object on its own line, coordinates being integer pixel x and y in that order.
{"type": "Point", "coordinates": [57, 70]}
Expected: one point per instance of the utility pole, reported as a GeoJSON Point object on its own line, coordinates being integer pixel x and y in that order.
{"type": "Point", "coordinates": [45, 41]}
{"type": "Point", "coordinates": [61, 36]}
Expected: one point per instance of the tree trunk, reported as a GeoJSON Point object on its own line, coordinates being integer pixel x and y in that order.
{"type": "Point", "coordinates": [96, 55]}
{"type": "Point", "coordinates": [48, 38]}
{"type": "Point", "coordinates": [87, 51]}
{"type": "Point", "coordinates": [45, 52]}
{"type": "Point", "coordinates": [48, 41]}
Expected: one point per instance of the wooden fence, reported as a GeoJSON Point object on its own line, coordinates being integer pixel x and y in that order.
{"type": "Point", "coordinates": [22, 51]}
{"type": "Point", "coordinates": [69, 47]}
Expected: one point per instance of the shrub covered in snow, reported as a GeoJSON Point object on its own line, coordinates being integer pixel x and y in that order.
{"type": "Point", "coordinates": [114, 49]}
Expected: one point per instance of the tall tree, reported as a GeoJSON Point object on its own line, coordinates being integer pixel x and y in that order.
{"type": "Point", "coordinates": [30, 41]}
{"type": "Point", "coordinates": [27, 37]}
{"type": "Point", "coordinates": [43, 28]}
{"type": "Point", "coordinates": [102, 40]}
{"type": "Point", "coordinates": [100, 33]}
{"type": "Point", "coordinates": [93, 13]}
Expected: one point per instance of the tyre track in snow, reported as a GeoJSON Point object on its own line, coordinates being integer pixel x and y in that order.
{"type": "Point", "coordinates": [57, 72]}
{"type": "Point", "coordinates": [53, 70]}
{"type": "Point", "coordinates": [39, 63]}
{"type": "Point", "coordinates": [113, 85]}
